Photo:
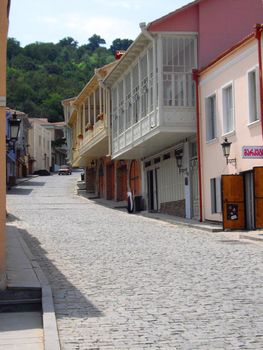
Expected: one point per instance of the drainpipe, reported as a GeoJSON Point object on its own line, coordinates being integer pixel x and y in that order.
{"type": "Point", "coordinates": [196, 79]}
{"type": "Point", "coordinates": [258, 31]}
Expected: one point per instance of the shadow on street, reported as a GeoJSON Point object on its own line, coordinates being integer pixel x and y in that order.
{"type": "Point", "coordinates": [68, 300]}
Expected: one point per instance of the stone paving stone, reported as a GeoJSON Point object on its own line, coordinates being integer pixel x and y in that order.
{"type": "Point", "coordinates": [126, 282]}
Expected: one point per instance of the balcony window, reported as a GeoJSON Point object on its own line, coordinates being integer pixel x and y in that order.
{"type": "Point", "coordinates": [114, 114]}
{"type": "Point", "coordinates": [150, 67]}
{"type": "Point", "coordinates": [135, 94]}
{"type": "Point", "coordinates": [179, 58]}
{"type": "Point", "coordinates": [128, 100]}
{"type": "Point", "coordinates": [121, 107]}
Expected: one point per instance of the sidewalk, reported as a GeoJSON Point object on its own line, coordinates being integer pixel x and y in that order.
{"type": "Point", "coordinates": [254, 235]}
{"type": "Point", "coordinates": [20, 327]}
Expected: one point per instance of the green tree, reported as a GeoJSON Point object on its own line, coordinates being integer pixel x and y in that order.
{"type": "Point", "coordinates": [94, 42]}
{"type": "Point", "coordinates": [120, 44]}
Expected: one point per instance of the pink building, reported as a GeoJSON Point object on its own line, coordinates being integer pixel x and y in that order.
{"type": "Point", "coordinates": [220, 24]}
{"type": "Point", "coordinates": [153, 102]}
{"type": "Point", "coordinates": [230, 91]}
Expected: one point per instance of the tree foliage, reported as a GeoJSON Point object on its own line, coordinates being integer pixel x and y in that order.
{"type": "Point", "coordinates": [41, 75]}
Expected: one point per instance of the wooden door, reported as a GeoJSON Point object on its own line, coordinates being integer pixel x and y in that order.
{"type": "Point", "coordinates": [258, 197]}
{"type": "Point", "coordinates": [110, 181]}
{"type": "Point", "coordinates": [135, 178]}
{"type": "Point", "coordinates": [122, 183]}
{"type": "Point", "coordinates": [233, 201]}
{"type": "Point", "coordinates": [101, 181]}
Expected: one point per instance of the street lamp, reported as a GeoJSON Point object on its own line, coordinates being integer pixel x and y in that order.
{"type": "Point", "coordinates": [14, 124]}
{"type": "Point", "coordinates": [179, 161]}
{"type": "Point", "coordinates": [226, 151]}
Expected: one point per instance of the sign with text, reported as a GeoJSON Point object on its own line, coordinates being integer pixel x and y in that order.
{"type": "Point", "coordinates": [252, 152]}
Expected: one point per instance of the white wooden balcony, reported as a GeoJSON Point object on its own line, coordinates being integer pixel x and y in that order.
{"type": "Point", "coordinates": [95, 141]}
{"type": "Point", "coordinates": [155, 132]}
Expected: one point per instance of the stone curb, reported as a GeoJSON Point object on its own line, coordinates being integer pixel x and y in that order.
{"type": "Point", "coordinates": [50, 330]}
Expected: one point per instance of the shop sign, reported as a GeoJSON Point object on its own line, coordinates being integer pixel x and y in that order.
{"type": "Point", "coordinates": [255, 152]}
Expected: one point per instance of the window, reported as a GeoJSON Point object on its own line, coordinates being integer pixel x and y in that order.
{"type": "Point", "coordinates": [215, 190]}
{"type": "Point", "coordinates": [228, 113]}
{"type": "Point", "coordinates": [179, 58]}
{"type": "Point", "coordinates": [144, 85]}
{"type": "Point", "coordinates": [210, 113]}
{"type": "Point", "coordinates": [253, 96]}
{"type": "Point", "coordinates": [166, 156]}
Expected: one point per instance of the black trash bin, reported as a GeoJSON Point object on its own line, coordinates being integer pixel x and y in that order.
{"type": "Point", "coordinates": [138, 203]}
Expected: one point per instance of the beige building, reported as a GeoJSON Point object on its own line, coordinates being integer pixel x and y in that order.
{"type": "Point", "coordinates": [230, 111]}
{"type": "Point", "coordinates": [39, 140]}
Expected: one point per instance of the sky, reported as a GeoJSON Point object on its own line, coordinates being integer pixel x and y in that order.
{"type": "Point", "coordinates": [53, 20]}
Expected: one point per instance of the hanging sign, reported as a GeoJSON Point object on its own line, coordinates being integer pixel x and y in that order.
{"type": "Point", "coordinates": [255, 152]}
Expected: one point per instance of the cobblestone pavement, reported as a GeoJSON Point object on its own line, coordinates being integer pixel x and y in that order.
{"type": "Point", "coordinates": [122, 281]}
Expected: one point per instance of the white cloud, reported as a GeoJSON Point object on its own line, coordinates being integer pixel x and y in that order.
{"type": "Point", "coordinates": [109, 28]}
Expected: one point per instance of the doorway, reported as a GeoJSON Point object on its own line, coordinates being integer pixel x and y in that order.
{"type": "Point", "coordinates": [152, 189]}
{"type": "Point", "coordinates": [249, 200]}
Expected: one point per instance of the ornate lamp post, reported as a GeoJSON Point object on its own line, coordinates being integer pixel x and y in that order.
{"type": "Point", "coordinates": [226, 151]}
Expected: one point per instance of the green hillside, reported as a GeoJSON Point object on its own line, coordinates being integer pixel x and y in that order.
{"type": "Point", "coordinates": [40, 75]}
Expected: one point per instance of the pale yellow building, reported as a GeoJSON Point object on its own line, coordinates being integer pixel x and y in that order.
{"type": "Point", "coordinates": [39, 140]}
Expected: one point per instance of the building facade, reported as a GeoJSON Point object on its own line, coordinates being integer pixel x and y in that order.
{"type": "Point", "coordinates": [231, 108]}
{"type": "Point", "coordinates": [39, 141]}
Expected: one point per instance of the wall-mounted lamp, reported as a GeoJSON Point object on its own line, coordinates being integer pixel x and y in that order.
{"type": "Point", "coordinates": [14, 125]}
{"type": "Point", "coordinates": [179, 161]}
{"type": "Point", "coordinates": [226, 151]}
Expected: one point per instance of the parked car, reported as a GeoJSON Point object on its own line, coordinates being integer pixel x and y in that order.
{"type": "Point", "coordinates": [64, 170]}
{"type": "Point", "coordinates": [42, 172]}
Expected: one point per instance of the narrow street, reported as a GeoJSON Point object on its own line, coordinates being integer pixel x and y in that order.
{"type": "Point", "coordinates": [123, 281]}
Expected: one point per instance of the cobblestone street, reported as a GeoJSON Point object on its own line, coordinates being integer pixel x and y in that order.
{"type": "Point", "coordinates": [123, 281]}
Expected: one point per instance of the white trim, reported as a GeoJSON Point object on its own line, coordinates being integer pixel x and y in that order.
{"type": "Point", "coordinates": [213, 141]}
{"type": "Point", "coordinates": [217, 71]}
{"type": "Point", "coordinates": [254, 123]}
{"type": "Point", "coordinates": [178, 34]}
{"type": "Point", "coordinates": [251, 70]}
{"type": "Point", "coordinates": [167, 150]}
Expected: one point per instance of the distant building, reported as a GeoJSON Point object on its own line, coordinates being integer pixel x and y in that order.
{"type": "Point", "coordinates": [39, 145]}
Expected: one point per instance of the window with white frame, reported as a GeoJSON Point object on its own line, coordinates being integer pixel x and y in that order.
{"type": "Point", "coordinates": [179, 58]}
{"type": "Point", "coordinates": [135, 93]}
{"type": "Point", "coordinates": [253, 96]}
{"type": "Point", "coordinates": [114, 114]}
{"type": "Point", "coordinates": [228, 111]}
{"type": "Point", "coordinates": [215, 191]}
{"type": "Point", "coordinates": [121, 107]}
{"type": "Point", "coordinates": [150, 64]}
{"type": "Point", "coordinates": [210, 113]}
{"type": "Point", "coordinates": [128, 100]}
{"type": "Point", "coordinates": [144, 85]}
